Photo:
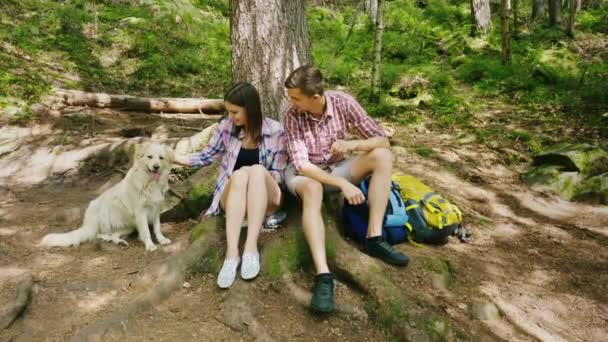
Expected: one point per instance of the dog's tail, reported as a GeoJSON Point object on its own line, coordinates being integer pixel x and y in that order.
{"type": "Point", "coordinates": [73, 238]}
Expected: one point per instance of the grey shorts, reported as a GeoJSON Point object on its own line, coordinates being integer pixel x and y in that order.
{"type": "Point", "coordinates": [341, 169]}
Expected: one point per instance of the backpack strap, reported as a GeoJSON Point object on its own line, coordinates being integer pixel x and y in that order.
{"type": "Point", "coordinates": [399, 214]}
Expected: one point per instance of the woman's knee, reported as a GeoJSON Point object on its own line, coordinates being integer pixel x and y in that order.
{"type": "Point", "coordinates": [257, 172]}
{"type": "Point", "coordinates": [239, 178]}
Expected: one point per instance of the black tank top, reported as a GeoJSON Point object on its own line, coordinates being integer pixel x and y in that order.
{"type": "Point", "coordinates": [247, 157]}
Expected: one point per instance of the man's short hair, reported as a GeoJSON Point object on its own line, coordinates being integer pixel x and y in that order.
{"type": "Point", "coordinates": [307, 78]}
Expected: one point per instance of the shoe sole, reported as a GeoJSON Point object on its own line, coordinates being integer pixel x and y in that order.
{"type": "Point", "coordinates": [322, 310]}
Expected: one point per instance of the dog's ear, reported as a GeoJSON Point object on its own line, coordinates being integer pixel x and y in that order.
{"type": "Point", "coordinates": [138, 151]}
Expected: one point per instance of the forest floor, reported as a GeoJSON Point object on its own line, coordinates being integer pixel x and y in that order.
{"type": "Point", "coordinates": [541, 261]}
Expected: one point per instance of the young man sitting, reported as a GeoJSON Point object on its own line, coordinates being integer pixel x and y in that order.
{"type": "Point", "coordinates": [316, 125]}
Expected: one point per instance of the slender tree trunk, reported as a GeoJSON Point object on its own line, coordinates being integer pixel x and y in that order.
{"type": "Point", "coordinates": [572, 7]}
{"type": "Point", "coordinates": [555, 12]}
{"type": "Point", "coordinates": [269, 40]}
{"type": "Point", "coordinates": [377, 51]}
{"type": "Point", "coordinates": [515, 28]}
{"type": "Point", "coordinates": [579, 5]}
{"type": "Point", "coordinates": [372, 8]}
{"type": "Point", "coordinates": [538, 9]}
{"type": "Point", "coordinates": [480, 16]}
{"type": "Point", "coordinates": [505, 11]}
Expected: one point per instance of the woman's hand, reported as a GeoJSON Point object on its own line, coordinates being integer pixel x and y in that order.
{"type": "Point", "coordinates": [183, 160]}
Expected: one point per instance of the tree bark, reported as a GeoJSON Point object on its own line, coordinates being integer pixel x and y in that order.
{"type": "Point", "coordinates": [505, 12]}
{"type": "Point", "coordinates": [377, 51]}
{"type": "Point", "coordinates": [480, 16]}
{"type": "Point", "coordinates": [372, 8]}
{"type": "Point", "coordinates": [555, 12]}
{"type": "Point", "coordinates": [144, 104]}
{"type": "Point", "coordinates": [573, 6]}
{"type": "Point", "coordinates": [269, 40]}
{"type": "Point", "coordinates": [538, 9]}
{"type": "Point", "coordinates": [515, 5]}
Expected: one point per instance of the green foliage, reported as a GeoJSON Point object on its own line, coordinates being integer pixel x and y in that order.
{"type": "Point", "coordinates": [154, 47]}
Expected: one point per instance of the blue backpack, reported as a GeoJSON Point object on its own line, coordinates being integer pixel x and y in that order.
{"type": "Point", "coordinates": [355, 217]}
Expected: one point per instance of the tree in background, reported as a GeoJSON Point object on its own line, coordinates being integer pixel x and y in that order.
{"type": "Point", "coordinates": [555, 12]}
{"type": "Point", "coordinates": [505, 13]}
{"type": "Point", "coordinates": [538, 9]}
{"type": "Point", "coordinates": [573, 7]}
{"type": "Point", "coordinates": [481, 17]}
{"type": "Point", "coordinates": [377, 52]}
{"type": "Point", "coordinates": [371, 6]}
{"type": "Point", "coordinates": [269, 40]}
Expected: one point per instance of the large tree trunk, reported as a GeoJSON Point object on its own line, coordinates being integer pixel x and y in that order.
{"type": "Point", "coordinates": [481, 16]}
{"type": "Point", "coordinates": [269, 40]}
{"type": "Point", "coordinates": [555, 12]}
{"type": "Point", "coordinates": [505, 12]}
{"type": "Point", "coordinates": [538, 9]}
{"type": "Point", "coordinates": [377, 51]}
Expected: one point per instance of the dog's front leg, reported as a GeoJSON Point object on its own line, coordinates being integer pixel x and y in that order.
{"type": "Point", "coordinates": [159, 235]}
{"type": "Point", "coordinates": [144, 231]}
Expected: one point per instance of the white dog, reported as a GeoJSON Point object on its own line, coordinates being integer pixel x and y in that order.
{"type": "Point", "coordinates": [131, 204]}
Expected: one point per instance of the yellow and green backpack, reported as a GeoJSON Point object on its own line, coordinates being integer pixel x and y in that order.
{"type": "Point", "coordinates": [432, 218]}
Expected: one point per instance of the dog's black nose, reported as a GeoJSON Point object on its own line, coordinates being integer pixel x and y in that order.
{"type": "Point", "coordinates": [156, 167]}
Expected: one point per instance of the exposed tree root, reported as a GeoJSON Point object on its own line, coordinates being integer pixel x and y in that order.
{"type": "Point", "coordinates": [24, 293]}
{"type": "Point", "coordinates": [237, 314]}
{"type": "Point", "coordinates": [303, 297]}
{"type": "Point", "coordinates": [170, 277]}
{"type": "Point", "coordinates": [126, 102]}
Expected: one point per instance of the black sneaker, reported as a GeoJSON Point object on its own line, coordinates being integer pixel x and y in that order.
{"type": "Point", "coordinates": [383, 250]}
{"type": "Point", "coordinates": [323, 294]}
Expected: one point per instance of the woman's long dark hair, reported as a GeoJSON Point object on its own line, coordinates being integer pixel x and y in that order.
{"type": "Point", "coordinates": [244, 94]}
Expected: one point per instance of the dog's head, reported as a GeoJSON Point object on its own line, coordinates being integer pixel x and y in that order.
{"type": "Point", "coordinates": [155, 159]}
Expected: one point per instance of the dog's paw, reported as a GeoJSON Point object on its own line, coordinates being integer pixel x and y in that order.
{"type": "Point", "coordinates": [150, 247]}
{"type": "Point", "coordinates": [163, 240]}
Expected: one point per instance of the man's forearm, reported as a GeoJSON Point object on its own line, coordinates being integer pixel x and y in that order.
{"type": "Point", "coordinates": [312, 171]}
{"type": "Point", "coordinates": [371, 143]}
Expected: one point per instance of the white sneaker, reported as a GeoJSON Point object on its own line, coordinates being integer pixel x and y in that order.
{"type": "Point", "coordinates": [228, 273]}
{"type": "Point", "coordinates": [251, 266]}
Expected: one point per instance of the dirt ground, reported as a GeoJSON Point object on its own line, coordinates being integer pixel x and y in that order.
{"type": "Point", "coordinates": [537, 265]}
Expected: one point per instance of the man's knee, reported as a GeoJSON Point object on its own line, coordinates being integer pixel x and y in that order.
{"type": "Point", "coordinates": [310, 190]}
{"type": "Point", "coordinates": [382, 157]}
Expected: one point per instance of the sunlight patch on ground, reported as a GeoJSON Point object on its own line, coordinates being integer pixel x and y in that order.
{"type": "Point", "coordinates": [94, 301]}
{"type": "Point", "coordinates": [546, 315]}
{"type": "Point", "coordinates": [97, 261]}
{"type": "Point", "coordinates": [52, 260]}
{"type": "Point", "coordinates": [7, 231]}
{"type": "Point", "coordinates": [593, 218]}
{"type": "Point", "coordinates": [11, 272]}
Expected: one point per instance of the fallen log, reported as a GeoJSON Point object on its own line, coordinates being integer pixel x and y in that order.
{"type": "Point", "coordinates": [143, 104]}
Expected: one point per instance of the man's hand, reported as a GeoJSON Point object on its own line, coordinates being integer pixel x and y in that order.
{"type": "Point", "coordinates": [342, 147]}
{"type": "Point", "coordinates": [352, 193]}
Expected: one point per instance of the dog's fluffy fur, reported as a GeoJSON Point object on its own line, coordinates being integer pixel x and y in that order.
{"type": "Point", "coordinates": [131, 204]}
